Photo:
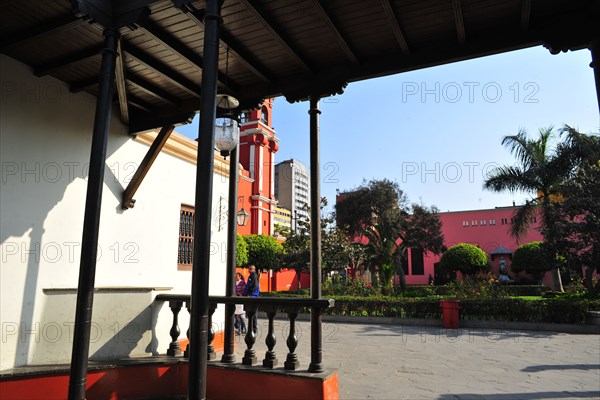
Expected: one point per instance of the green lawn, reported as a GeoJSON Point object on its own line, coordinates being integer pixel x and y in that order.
{"type": "Point", "coordinates": [530, 298]}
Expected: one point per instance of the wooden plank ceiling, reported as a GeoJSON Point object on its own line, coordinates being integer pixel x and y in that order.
{"type": "Point", "coordinates": [269, 48]}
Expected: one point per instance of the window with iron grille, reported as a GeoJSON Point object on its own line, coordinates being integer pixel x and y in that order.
{"type": "Point", "coordinates": [186, 238]}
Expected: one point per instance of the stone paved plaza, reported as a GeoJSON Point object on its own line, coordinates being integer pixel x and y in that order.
{"type": "Point", "coordinates": [408, 362]}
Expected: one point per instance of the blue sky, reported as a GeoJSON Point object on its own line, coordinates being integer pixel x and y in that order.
{"type": "Point", "coordinates": [437, 131]}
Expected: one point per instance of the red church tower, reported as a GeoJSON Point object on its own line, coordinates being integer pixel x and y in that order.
{"type": "Point", "coordinates": [258, 146]}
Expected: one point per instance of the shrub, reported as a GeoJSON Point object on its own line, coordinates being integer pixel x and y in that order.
{"type": "Point", "coordinates": [354, 287]}
{"type": "Point", "coordinates": [529, 258]}
{"type": "Point", "coordinates": [573, 311]}
{"type": "Point", "coordinates": [466, 258]}
{"type": "Point", "coordinates": [477, 286]}
{"type": "Point", "coordinates": [263, 251]}
{"type": "Point", "coordinates": [241, 251]}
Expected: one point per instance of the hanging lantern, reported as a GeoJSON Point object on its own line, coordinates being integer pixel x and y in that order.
{"type": "Point", "coordinates": [227, 132]}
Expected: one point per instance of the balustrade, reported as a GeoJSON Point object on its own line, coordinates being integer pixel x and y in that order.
{"type": "Point", "coordinates": [271, 306]}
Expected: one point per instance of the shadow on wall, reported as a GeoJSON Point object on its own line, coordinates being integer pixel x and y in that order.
{"type": "Point", "coordinates": [124, 341]}
{"type": "Point", "coordinates": [124, 324]}
{"type": "Point", "coordinates": [45, 148]}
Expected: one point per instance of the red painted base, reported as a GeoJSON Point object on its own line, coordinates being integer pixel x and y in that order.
{"type": "Point", "coordinates": [165, 381]}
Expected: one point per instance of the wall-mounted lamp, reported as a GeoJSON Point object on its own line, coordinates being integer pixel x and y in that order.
{"type": "Point", "coordinates": [242, 217]}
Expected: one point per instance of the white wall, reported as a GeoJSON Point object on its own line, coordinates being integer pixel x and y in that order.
{"type": "Point", "coordinates": [44, 151]}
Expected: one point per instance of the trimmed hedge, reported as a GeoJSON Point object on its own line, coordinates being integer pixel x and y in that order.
{"type": "Point", "coordinates": [506, 290]}
{"type": "Point", "coordinates": [569, 311]}
{"type": "Point", "coordinates": [500, 309]}
{"type": "Point", "coordinates": [424, 291]}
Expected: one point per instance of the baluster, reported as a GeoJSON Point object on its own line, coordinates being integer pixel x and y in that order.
{"type": "Point", "coordinates": [188, 251]}
{"type": "Point", "coordinates": [291, 361]}
{"type": "Point", "coordinates": [211, 355]}
{"type": "Point", "coordinates": [186, 353]}
{"type": "Point", "coordinates": [229, 335]}
{"type": "Point", "coordinates": [174, 349]}
{"type": "Point", "coordinates": [250, 355]}
{"type": "Point", "coordinates": [270, 360]}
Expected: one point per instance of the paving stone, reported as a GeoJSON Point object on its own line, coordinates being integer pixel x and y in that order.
{"type": "Point", "coordinates": [401, 362]}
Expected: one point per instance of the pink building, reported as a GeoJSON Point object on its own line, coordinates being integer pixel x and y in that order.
{"type": "Point", "coordinates": [488, 229]}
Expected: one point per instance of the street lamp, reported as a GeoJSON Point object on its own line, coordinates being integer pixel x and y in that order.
{"type": "Point", "coordinates": [227, 132]}
{"type": "Point", "coordinates": [295, 221]}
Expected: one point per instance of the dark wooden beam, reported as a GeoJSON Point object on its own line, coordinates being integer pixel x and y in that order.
{"type": "Point", "coordinates": [140, 173]}
{"type": "Point", "coordinates": [298, 87]}
{"type": "Point", "coordinates": [333, 79]}
{"type": "Point", "coordinates": [72, 58]}
{"type": "Point", "coordinates": [237, 50]}
{"type": "Point", "coordinates": [162, 69]}
{"type": "Point", "coordinates": [152, 90]}
{"type": "Point", "coordinates": [81, 85]}
{"type": "Point", "coordinates": [121, 85]}
{"type": "Point", "coordinates": [140, 104]}
{"type": "Point", "coordinates": [174, 45]}
{"type": "Point", "coordinates": [334, 29]}
{"type": "Point", "coordinates": [389, 12]}
{"type": "Point", "coordinates": [525, 14]}
{"type": "Point", "coordinates": [53, 26]}
{"type": "Point", "coordinates": [458, 20]}
{"type": "Point", "coordinates": [183, 113]}
{"type": "Point", "coordinates": [279, 37]}
{"type": "Point", "coordinates": [141, 122]}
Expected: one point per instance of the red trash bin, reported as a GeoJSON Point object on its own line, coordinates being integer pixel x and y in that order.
{"type": "Point", "coordinates": [450, 313]}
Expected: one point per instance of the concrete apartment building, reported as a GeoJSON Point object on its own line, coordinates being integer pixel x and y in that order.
{"type": "Point", "coordinates": [292, 188]}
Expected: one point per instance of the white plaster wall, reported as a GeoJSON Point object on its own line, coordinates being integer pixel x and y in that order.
{"type": "Point", "coordinates": [45, 139]}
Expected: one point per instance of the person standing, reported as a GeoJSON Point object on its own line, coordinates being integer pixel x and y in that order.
{"type": "Point", "coordinates": [240, 315]}
{"type": "Point", "coordinates": [253, 290]}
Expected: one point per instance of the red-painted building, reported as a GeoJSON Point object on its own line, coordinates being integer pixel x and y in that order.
{"type": "Point", "coordinates": [256, 189]}
{"type": "Point", "coordinates": [488, 229]}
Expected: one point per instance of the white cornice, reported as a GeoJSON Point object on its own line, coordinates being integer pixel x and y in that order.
{"type": "Point", "coordinates": [260, 129]}
{"type": "Point", "coordinates": [185, 149]}
{"type": "Point", "coordinates": [263, 199]}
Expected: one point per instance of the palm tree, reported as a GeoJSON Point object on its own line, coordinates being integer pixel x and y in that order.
{"type": "Point", "coordinates": [541, 170]}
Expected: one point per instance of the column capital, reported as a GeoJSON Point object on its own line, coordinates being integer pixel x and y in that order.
{"type": "Point", "coordinates": [112, 14]}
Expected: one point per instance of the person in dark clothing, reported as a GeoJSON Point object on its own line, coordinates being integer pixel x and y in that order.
{"type": "Point", "coordinates": [253, 290]}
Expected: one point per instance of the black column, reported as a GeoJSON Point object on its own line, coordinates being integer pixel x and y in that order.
{"type": "Point", "coordinates": [91, 222]}
{"type": "Point", "coordinates": [228, 346]}
{"type": "Point", "coordinates": [204, 185]}
{"type": "Point", "coordinates": [316, 352]}
{"type": "Point", "coordinates": [595, 49]}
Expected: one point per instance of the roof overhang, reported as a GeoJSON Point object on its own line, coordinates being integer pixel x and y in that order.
{"type": "Point", "coordinates": [295, 49]}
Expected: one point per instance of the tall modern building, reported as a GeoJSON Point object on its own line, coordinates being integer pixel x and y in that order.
{"type": "Point", "coordinates": [292, 188]}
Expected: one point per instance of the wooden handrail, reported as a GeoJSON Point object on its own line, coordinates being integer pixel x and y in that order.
{"type": "Point", "coordinates": [259, 301]}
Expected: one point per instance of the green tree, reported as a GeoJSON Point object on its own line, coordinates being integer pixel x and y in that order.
{"type": "Point", "coordinates": [580, 223]}
{"type": "Point", "coordinates": [241, 251]}
{"type": "Point", "coordinates": [379, 212]}
{"type": "Point", "coordinates": [541, 170]}
{"type": "Point", "coordinates": [466, 258]}
{"type": "Point", "coordinates": [296, 251]}
{"type": "Point", "coordinates": [529, 258]}
{"type": "Point", "coordinates": [336, 251]}
{"type": "Point", "coordinates": [263, 251]}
